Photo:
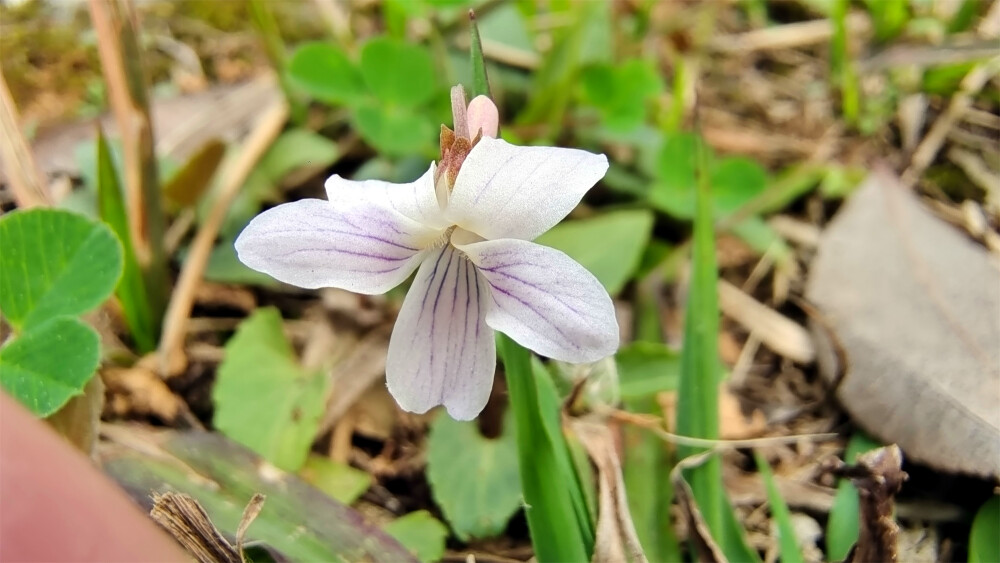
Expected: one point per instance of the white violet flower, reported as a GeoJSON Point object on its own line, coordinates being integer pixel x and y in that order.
{"type": "Point", "coordinates": [466, 226]}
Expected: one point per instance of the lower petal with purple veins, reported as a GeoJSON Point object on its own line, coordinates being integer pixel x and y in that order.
{"type": "Point", "coordinates": [545, 301]}
{"type": "Point", "coordinates": [441, 351]}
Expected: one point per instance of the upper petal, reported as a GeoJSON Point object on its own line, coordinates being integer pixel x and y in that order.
{"type": "Point", "coordinates": [356, 243]}
{"type": "Point", "coordinates": [415, 200]}
{"type": "Point", "coordinates": [441, 352]}
{"type": "Point", "coordinates": [507, 191]}
{"type": "Point", "coordinates": [545, 301]}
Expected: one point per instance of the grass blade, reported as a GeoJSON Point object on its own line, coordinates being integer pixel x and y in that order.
{"type": "Point", "coordinates": [698, 393]}
{"type": "Point", "coordinates": [131, 290]}
{"type": "Point", "coordinates": [551, 492]}
{"type": "Point", "coordinates": [787, 540]}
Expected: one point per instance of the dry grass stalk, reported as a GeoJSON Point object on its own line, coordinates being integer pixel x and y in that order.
{"type": "Point", "coordinates": [179, 310]}
{"type": "Point", "coordinates": [928, 149]}
{"type": "Point", "coordinates": [774, 329]}
{"type": "Point", "coordinates": [788, 36]}
{"type": "Point", "coordinates": [116, 27]}
{"type": "Point", "coordinates": [26, 180]}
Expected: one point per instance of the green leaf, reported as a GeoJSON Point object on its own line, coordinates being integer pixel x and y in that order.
{"type": "Point", "coordinates": [188, 184]}
{"type": "Point", "coordinates": [225, 267]}
{"type": "Point", "coordinates": [49, 363]}
{"type": "Point", "coordinates": [787, 540]}
{"type": "Point", "coordinates": [342, 482]}
{"type": "Point", "coordinates": [143, 323]}
{"type": "Point", "coordinates": [297, 521]}
{"type": "Point", "coordinates": [296, 149]}
{"type": "Point", "coordinates": [647, 368]}
{"type": "Point", "coordinates": [420, 533]}
{"type": "Point", "coordinates": [395, 131]}
{"type": "Point", "coordinates": [620, 91]}
{"type": "Point", "coordinates": [983, 544]}
{"type": "Point", "coordinates": [609, 245]}
{"type": "Point", "coordinates": [843, 525]}
{"type": "Point", "coordinates": [54, 263]}
{"type": "Point", "coordinates": [474, 479]}
{"type": "Point", "coordinates": [555, 508]}
{"type": "Point", "coordinates": [324, 72]}
{"type": "Point", "coordinates": [674, 192]}
{"type": "Point", "coordinates": [398, 72]}
{"type": "Point", "coordinates": [263, 398]}
{"type": "Point", "coordinates": [734, 181]}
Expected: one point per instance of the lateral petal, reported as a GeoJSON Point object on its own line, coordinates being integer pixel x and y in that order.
{"type": "Point", "coordinates": [415, 200]}
{"type": "Point", "coordinates": [507, 191]}
{"type": "Point", "coordinates": [546, 301]}
{"type": "Point", "coordinates": [441, 352]}
{"type": "Point", "coordinates": [356, 243]}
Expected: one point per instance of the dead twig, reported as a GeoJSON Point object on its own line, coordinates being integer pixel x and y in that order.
{"type": "Point", "coordinates": [774, 329]}
{"type": "Point", "coordinates": [179, 309]}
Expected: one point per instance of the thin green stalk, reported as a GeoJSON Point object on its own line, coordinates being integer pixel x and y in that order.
{"type": "Point", "coordinates": [554, 504]}
{"type": "Point", "coordinates": [131, 290]}
{"type": "Point", "coordinates": [675, 116]}
{"type": "Point", "coordinates": [274, 47]}
{"type": "Point", "coordinates": [841, 66]}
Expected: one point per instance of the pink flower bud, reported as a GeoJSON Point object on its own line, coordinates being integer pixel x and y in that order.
{"type": "Point", "coordinates": [483, 114]}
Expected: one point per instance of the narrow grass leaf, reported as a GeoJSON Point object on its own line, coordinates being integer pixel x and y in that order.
{"type": "Point", "coordinates": [698, 400]}
{"type": "Point", "coordinates": [557, 532]}
{"type": "Point", "coordinates": [645, 369]}
{"type": "Point", "coordinates": [131, 290]}
{"type": "Point", "coordinates": [787, 541]}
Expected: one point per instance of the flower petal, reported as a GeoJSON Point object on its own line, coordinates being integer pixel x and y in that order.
{"type": "Point", "coordinates": [415, 200]}
{"type": "Point", "coordinates": [507, 191]}
{"type": "Point", "coordinates": [545, 301]}
{"type": "Point", "coordinates": [357, 243]}
{"type": "Point", "coordinates": [441, 351]}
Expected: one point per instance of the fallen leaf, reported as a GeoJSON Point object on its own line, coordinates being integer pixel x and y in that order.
{"type": "Point", "coordinates": [616, 538]}
{"type": "Point", "coordinates": [913, 303]}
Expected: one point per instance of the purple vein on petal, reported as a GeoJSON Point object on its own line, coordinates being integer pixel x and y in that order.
{"type": "Point", "coordinates": [350, 234]}
{"type": "Point", "coordinates": [494, 177]}
{"type": "Point", "coordinates": [538, 314]}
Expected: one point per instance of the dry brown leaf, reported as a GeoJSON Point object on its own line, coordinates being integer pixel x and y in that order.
{"type": "Point", "coordinates": [913, 304]}
{"type": "Point", "coordinates": [704, 546]}
{"type": "Point", "coordinates": [79, 420]}
{"type": "Point", "coordinates": [138, 390]}
{"type": "Point", "coordinates": [616, 539]}
{"type": "Point", "coordinates": [733, 425]}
